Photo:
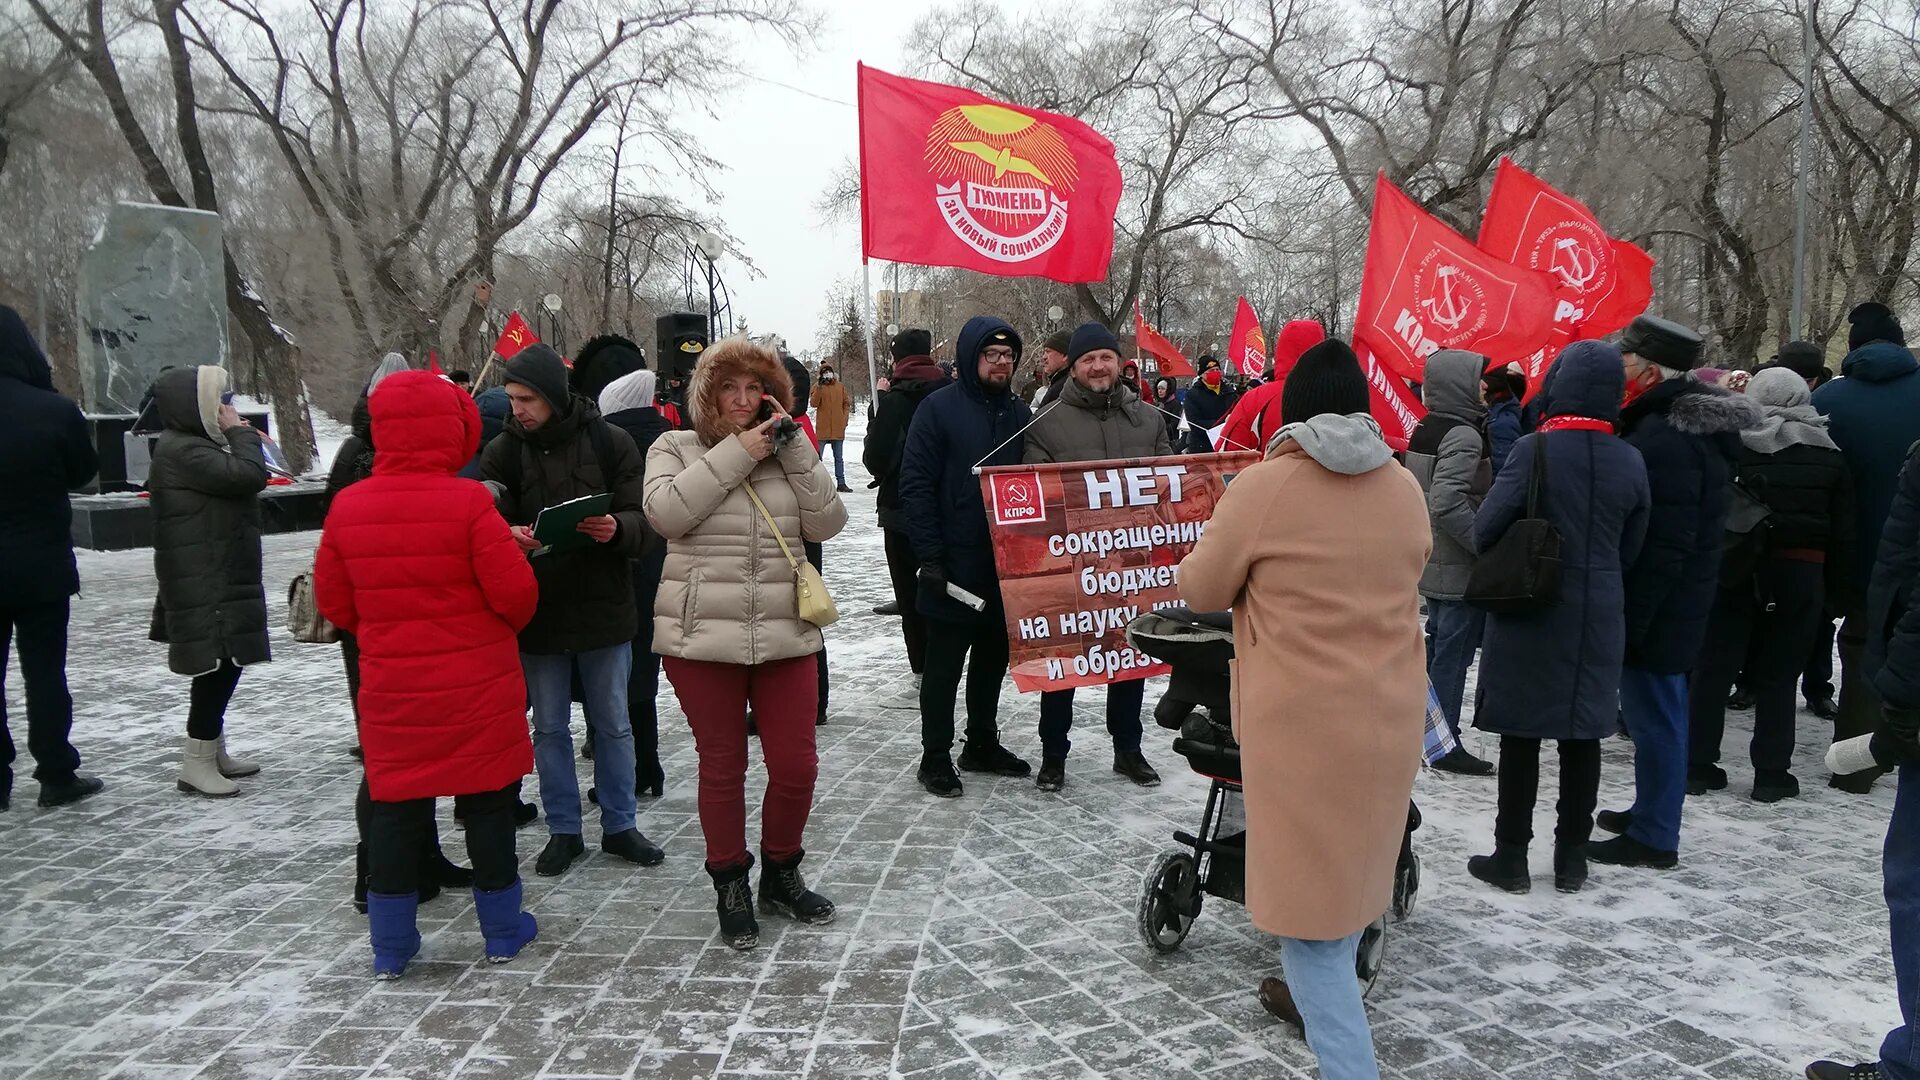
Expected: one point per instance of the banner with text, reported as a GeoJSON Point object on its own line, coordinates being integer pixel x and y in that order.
{"type": "Point", "coordinates": [1085, 547]}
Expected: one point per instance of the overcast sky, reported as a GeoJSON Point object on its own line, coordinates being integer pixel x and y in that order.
{"type": "Point", "coordinates": [781, 143]}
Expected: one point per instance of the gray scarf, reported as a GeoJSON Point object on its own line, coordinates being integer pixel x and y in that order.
{"type": "Point", "coordinates": [1790, 418]}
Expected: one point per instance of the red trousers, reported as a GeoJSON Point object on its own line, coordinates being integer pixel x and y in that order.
{"type": "Point", "coordinates": [785, 695]}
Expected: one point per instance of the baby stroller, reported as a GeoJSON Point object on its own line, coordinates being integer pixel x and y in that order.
{"type": "Point", "coordinates": [1197, 704]}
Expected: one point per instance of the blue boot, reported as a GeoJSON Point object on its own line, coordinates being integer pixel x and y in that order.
{"type": "Point", "coordinates": [506, 928]}
{"type": "Point", "coordinates": [390, 926]}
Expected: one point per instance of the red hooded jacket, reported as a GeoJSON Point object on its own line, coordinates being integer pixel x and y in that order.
{"type": "Point", "coordinates": [418, 565]}
{"type": "Point", "coordinates": [1256, 416]}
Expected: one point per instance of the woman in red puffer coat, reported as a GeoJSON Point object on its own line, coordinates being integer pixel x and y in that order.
{"type": "Point", "coordinates": [420, 568]}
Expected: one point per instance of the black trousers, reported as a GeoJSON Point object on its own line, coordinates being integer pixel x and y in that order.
{"type": "Point", "coordinates": [816, 554]}
{"type": "Point", "coordinates": [1769, 629]}
{"type": "Point", "coordinates": [350, 659]}
{"type": "Point", "coordinates": [902, 568]}
{"type": "Point", "coordinates": [397, 831]}
{"type": "Point", "coordinates": [42, 633]}
{"type": "Point", "coordinates": [207, 701]}
{"type": "Point", "coordinates": [1520, 789]}
{"type": "Point", "coordinates": [948, 647]}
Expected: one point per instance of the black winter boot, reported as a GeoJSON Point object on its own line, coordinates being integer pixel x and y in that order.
{"type": "Point", "coordinates": [1772, 785]}
{"type": "Point", "coordinates": [1505, 869]}
{"type": "Point", "coordinates": [1704, 778]}
{"type": "Point", "coordinates": [784, 892]}
{"type": "Point", "coordinates": [1569, 867]}
{"type": "Point", "coordinates": [735, 906]}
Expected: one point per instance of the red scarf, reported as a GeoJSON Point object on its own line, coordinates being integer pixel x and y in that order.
{"type": "Point", "coordinates": [1576, 423]}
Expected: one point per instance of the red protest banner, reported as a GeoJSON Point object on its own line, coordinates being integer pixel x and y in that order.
{"type": "Point", "coordinates": [1396, 408]}
{"type": "Point", "coordinates": [1085, 547]}
{"type": "Point", "coordinates": [951, 178]}
{"type": "Point", "coordinates": [1154, 344]}
{"type": "Point", "coordinates": [1530, 223]}
{"type": "Point", "coordinates": [1247, 348]}
{"type": "Point", "coordinates": [516, 336]}
{"type": "Point", "coordinates": [1426, 288]}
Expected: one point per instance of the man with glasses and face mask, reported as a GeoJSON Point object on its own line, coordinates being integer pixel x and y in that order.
{"type": "Point", "coordinates": [974, 420]}
{"type": "Point", "coordinates": [1096, 418]}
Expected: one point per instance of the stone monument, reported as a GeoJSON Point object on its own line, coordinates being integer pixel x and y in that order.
{"type": "Point", "coordinates": [153, 295]}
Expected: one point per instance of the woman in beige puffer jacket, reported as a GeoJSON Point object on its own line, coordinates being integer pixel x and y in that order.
{"type": "Point", "coordinates": [727, 624]}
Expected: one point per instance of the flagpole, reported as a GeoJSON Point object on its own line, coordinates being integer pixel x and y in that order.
{"type": "Point", "coordinates": [866, 270]}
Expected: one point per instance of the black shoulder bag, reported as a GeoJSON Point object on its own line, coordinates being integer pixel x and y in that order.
{"type": "Point", "coordinates": [1520, 573]}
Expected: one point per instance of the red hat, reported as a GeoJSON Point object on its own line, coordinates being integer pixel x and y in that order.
{"type": "Point", "coordinates": [1296, 337]}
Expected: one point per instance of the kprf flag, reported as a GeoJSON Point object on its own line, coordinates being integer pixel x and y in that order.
{"type": "Point", "coordinates": [515, 336]}
{"type": "Point", "coordinates": [1606, 282]}
{"type": "Point", "coordinates": [1247, 348]}
{"type": "Point", "coordinates": [951, 178]}
{"type": "Point", "coordinates": [1426, 288]}
{"type": "Point", "coordinates": [1395, 408]}
{"type": "Point", "coordinates": [1153, 343]}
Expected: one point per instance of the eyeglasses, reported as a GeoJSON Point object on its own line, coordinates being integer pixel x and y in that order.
{"type": "Point", "coordinates": [997, 355]}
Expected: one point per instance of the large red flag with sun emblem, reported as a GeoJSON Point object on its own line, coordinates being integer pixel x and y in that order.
{"type": "Point", "coordinates": [1426, 288]}
{"type": "Point", "coordinates": [951, 178]}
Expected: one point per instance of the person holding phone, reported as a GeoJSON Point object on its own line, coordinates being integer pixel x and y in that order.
{"type": "Point", "coordinates": [727, 620]}
{"type": "Point", "coordinates": [207, 475]}
{"type": "Point", "coordinates": [556, 448]}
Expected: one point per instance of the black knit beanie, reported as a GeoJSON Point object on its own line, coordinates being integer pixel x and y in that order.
{"type": "Point", "coordinates": [1327, 379]}
{"type": "Point", "coordinates": [540, 369]}
{"type": "Point", "coordinates": [912, 342]}
{"type": "Point", "coordinates": [1873, 322]}
{"type": "Point", "coordinates": [1088, 337]}
{"type": "Point", "coordinates": [1059, 341]}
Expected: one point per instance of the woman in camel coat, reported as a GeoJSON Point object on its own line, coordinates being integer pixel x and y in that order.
{"type": "Point", "coordinates": [1319, 550]}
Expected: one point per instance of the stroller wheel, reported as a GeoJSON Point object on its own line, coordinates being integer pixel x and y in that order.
{"type": "Point", "coordinates": [1371, 954]}
{"type": "Point", "coordinates": [1406, 887]}
{"type": "Point", "coordinates": [1169, 902]}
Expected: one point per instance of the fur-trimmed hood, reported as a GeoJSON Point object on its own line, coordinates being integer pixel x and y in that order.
{"type": "Point", "coordinates": [1710, 410]}
{"type": "Point", "coordinates": [735, 355]}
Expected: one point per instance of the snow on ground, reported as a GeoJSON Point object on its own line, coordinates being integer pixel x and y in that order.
{"type": "Point", "coordinates": [147, 933]}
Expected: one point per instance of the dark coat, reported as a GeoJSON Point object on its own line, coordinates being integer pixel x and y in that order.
{"type": "Point", "coordinates": [1893, 624]}
{"type": "Point", "coordinates": [1688, 434]}
{"type": "Point", "coordinates": [1503, 429]}
{"type": "Point", "coordinates": [206, 532]}
{"type": "Point", "coordinates": [495, 406]}
{"type": "Point", "coordinates": [1809, 498]}
{"type": "Point", "coordinates": [644, 426]}
{"type": "Point", "coordinates": [1555, 674]}
{"type": "Point", "coordinates": [1873, 413]}
{"type": "Point", "coordinates": [45, 450]}
{"type": "Point", "coordinates": [1084, 425]}
{"type": "Point", "coordinates": [1205, 408]}
{"type": "Point", "coordinates": [586, 594]}
{"type": "Point", "coordinates": [913, 379]}
{"type": "Point", "coordinates": [956, 427]}
{"type": "Point", "coordinates": [353, 462]}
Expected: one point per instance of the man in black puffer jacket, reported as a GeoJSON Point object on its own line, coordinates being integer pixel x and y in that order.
{"type": "Point", "coordinates": [45, 451]}
{"type": "Point", "coordinates": [1688, 434]}
{"type": "Point", "coordinates": [914, 377]}
{"type": "Point", "coordinates": [1771, 601]}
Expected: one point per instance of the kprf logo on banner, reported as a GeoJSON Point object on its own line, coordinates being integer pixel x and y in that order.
{"type": "Point", "coordinates": [1017, 499]}
{"type": "Point", "coordinates": [1451, 298]}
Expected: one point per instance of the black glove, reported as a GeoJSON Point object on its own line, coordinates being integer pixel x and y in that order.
{"type": "Point", "coordinates": [933, 580]}
{"type": "Point", "coordinates": [1897, 742]}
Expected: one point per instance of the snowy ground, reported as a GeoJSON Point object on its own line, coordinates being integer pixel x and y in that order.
{"type": "Point", "coordinates": [146, 933]}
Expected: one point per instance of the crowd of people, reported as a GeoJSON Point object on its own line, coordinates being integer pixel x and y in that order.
{"type": "Point", "coordinates": [1708, 529]}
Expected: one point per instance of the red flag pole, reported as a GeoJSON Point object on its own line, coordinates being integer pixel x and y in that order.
{"type": "Point", "coordinates": [866, 274]}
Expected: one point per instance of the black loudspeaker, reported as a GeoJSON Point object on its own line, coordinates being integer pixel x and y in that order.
{"type": "Point", "coordinates": [682, 338]}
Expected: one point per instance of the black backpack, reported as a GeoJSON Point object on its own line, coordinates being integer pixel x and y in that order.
{"type": "Point", "coordinates": [1748, 535]}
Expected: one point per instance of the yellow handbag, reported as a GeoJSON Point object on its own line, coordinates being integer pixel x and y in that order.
{"type": "Point", "coordinates": [809, 588]}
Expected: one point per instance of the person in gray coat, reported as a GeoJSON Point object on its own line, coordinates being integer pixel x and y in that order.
{"type": "Point", "coordinates": [207, 475]}
{"type": "Point", "coordinates": [1095, 418]}
{"type": "Point", "coordinates": [1448, 454]}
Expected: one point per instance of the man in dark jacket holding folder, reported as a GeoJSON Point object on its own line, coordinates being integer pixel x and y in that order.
{"type": "Point", "coordinates": [555, 448]}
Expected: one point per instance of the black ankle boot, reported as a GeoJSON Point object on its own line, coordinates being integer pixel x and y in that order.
{"type": "Point", "coordinates": [1569, 867]}
{"type": "Point", "coordinates": [734, 903]}
{"type": "Point", "coordinates": [784, 892]}
{"type": "Point", "coordinates": [1505, 869]}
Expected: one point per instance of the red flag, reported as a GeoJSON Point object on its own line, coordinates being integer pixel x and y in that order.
{"type": "Point", "coordinates": [951, 178]}
{"type": "Point", "coordinates": [1247, 348]}
{"type": "Point", "coordinates": [1395, 408]}
{"type": "Point", "coordinates": [1529, 223]}
{"type": "Point", "coordinates": [1150, 341]}
{"type": "Point", "coordinates": [517, 335]}
{"type": "Point", "coordinates": [1426, 289]}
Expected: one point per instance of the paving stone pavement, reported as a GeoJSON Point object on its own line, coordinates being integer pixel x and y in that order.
{"type": "Point", "coordinates": [145, 933]}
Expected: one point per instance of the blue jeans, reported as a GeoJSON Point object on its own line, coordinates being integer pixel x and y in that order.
{"type": "Point", "coordinates": [1453, 636]}
{"type": "Point", "coordinates": [1900, 1053]}
{"type": "Point", "coordinates": [1123, 718]}
{"type": "Point", "coordinates": [603, 675]}
{"type": "Point", "coordinates": [1321, 976]}
{"type": "Point", "coordinates": [1654, 706]}
{"type": "Point", "coordinates": [839, 448]}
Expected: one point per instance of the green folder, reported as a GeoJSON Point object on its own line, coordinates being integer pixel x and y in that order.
{"type": "Point", "coordinates": [555, 527]}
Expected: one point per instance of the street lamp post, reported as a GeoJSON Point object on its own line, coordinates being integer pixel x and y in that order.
{"type": "Point", "coordinates": [712, 247]}
{"type": "Point", "coordinates": [551, 304]}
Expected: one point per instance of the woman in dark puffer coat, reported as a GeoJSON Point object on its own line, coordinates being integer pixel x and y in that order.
{"type": "Point", "coordinates": [1555, 673]}
{"type": "Point", "coordinates": [421, 569]}
{"type": "Point", "coordinates": [1768, 615]}
{"type": "Point", "coordinates": [208, 472]}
